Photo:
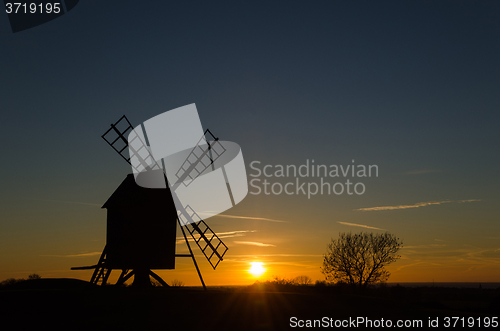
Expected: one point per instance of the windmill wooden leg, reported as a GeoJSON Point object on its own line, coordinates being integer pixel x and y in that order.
{"type": "Point", "coordinates": [98, 274]}
{"type": "Point", "coordinates": [121, 279]}
{"type": "Point", "coordinates": [101, 274]}
{"type": "Point", "coordinates": [192, 256]}
{"type": "Point", "coordinates": [158, 278]}
{"type": "Point", "coordinates": [99, 270]}
{"type": "Point", "coordinates": [126, 276]}
{"type": "Point", "coordinates": [94, 275]}
{"type": "Point", "coordinates": [106, 276]}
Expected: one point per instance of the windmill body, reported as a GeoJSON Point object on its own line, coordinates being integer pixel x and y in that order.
{"type": "Point", "coordinates": [141, 227]}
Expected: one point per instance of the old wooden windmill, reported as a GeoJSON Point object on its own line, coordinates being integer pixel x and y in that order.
{"type": "Point", "coordinates": [142, 221]}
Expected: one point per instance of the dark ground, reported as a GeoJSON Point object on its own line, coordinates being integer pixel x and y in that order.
{"type": "Point", "coordinates": [69, 304]}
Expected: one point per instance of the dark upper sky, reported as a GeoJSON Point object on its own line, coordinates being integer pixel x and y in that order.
{"type": "Point", "coordinates": [410, 86]}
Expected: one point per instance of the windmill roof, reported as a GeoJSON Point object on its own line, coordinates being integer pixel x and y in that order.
{"type": "Point", "coordinates": [130, 193]}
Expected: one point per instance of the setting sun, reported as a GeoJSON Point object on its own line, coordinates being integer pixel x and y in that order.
{"type": "Point", "coordinates": [257, 269]}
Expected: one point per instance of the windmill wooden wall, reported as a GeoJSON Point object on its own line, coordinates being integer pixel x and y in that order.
{"type": "Point", "coordinates": [141, 227]}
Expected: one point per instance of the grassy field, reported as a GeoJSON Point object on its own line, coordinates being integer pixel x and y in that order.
{"type": "Point", "coordinates": [69, 304]}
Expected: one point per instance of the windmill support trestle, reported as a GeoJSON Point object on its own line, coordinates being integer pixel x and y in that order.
{"type": "Point", "coordinates": [141, 276]}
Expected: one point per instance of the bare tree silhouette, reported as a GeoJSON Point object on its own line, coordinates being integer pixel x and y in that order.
{"type": "Point", "coordinates": [360, 258]}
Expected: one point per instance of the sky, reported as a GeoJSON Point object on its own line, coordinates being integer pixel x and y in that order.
{"type": "Point", "coordinates": [411, 87]}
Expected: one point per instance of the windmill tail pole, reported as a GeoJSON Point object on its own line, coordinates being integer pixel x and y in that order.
{"type": "Point", "coordinates": [192, 255]}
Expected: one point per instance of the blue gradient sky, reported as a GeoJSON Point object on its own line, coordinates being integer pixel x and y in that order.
{"type": "Point", "coordinates": [410, 86]}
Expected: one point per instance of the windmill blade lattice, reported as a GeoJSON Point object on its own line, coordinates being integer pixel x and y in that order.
{"type": "Point", "coordinates": [118, 130]}
{"type": "Point", "coordinates": [201, 157]}
{"type": "Point", "coordinates": [116, 138]}
{"type": "Point", "coordinates": [209, 243]}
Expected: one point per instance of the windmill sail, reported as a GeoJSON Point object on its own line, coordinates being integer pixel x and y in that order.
{"type": "Point", "coordinates": [137, 147]}
{"type": "Point", "coordinates": [199, 159]}
{"type": "Point", "coordinates": [115, 136]}
{"type": "Point", "coordinates": [209, 243]}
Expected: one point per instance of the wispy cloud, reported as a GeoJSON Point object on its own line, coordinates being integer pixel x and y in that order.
{"type": "Point", "coordinates": [416, 205]}
{"type": "Point", "coordinates": [237, 233]}
{"type": "Point", "coordinates": [251, 218]}
{"type": "Point", "coordinates": [75, 255]}
{"type": "Point", "coordinates": [408, 265]}
{"type": "Point", "coordinates": [470, 200]}
{"type": "Point", "coordinates": [276, 255]}
{"type": "Point", "coordinates": [304, 264]}
{"type": "Point", "coordinates": [425, 246]}
{"type": "Point", "coordinates": [452, 255]}
{"type": "Point", "coordinates": [421, 171]}
{"type": "Point", "coordinates": [360, 225]}
{"type": "Point", "coordinates": [222, 235]}
{"type": "Point", "coordinates": [253, 243]}
{"type": "Point", "coordinates": [299, 264]}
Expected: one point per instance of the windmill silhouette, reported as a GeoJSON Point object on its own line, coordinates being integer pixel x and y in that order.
{"type": "Point", "coordinates": [142, 222]}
